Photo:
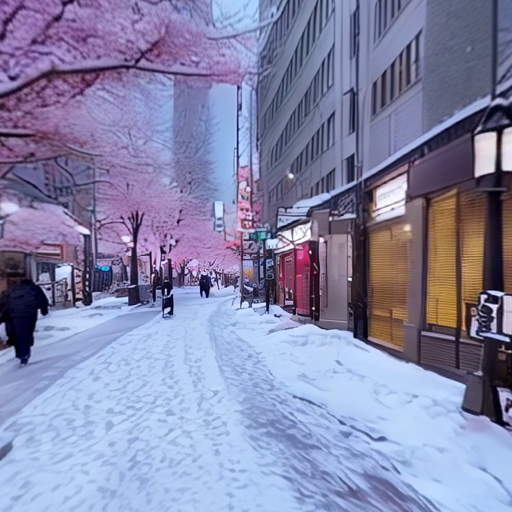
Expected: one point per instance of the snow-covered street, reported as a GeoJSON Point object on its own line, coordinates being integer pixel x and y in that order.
{"type": "Point", "coordinates": [217, 409]}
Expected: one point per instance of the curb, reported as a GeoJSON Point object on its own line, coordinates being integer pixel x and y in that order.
{"type": "Point", "coordinates": [6, 445]}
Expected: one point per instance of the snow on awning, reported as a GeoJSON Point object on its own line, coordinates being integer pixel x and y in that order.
{"type": "Point", "coordinates": [288, 239]}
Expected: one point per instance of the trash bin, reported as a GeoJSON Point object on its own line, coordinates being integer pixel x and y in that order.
{"type": "Point", "coordinates": [133, 295]}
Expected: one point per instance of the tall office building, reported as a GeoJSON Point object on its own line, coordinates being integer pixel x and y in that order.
{"type": "Point", "coordinates": [299, 103]}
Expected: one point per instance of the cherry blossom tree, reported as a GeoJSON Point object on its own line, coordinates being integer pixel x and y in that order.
{"type": "Point", "coordinates": [52, 52]}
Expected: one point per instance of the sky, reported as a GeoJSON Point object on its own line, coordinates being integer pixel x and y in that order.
{"type": "Point", "coordinates": [223, 101]}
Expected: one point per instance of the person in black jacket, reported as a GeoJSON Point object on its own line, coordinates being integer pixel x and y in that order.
{"type": "Point", "coordinates": [155, 285]}
{"type": "Point", "coordinates": [20, 306]}
{"type": "Point", "coordinates": [167, 297]}
{"type": "Point", "coordinates": [205, 284]}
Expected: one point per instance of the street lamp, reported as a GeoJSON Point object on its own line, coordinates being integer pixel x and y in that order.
{"type": "Point", "coordinates": [493, 140]}
{"type": "Point", "coordinates": [492, 156]}
{"type": "Point", "coordinates": [88, 264]}
{"type": "Point", "coordinates": [126, 239]}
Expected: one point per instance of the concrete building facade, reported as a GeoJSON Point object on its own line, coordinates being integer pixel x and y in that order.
{"type": "Point", "coordinates": [299, 103]}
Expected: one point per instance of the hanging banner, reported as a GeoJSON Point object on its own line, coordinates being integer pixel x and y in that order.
{"type": "Point", "coordinates": [244, 207]}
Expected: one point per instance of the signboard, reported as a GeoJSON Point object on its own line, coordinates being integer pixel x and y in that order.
{"type": "Point", "coordinates": [390, 197]}
{"type": "Point", "coordinates": [50, 251]}
{"type": "Point", "coordinates": [494, 316]}
{"type": "Point", "coordinates": [259, 235]}
{"type": "Point", "coordinates": [244, 207]}
{"type": "Point", "coordinates": [218, 207]}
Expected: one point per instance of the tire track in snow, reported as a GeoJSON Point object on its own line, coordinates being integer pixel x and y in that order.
{"type": "Point", "coordinates": [330, 466]}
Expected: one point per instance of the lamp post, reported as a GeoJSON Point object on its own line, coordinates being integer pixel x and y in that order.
{"type": "Point", "coordinates": [492, 157]}
{"type": "Point", "coordinates": [88, 265]}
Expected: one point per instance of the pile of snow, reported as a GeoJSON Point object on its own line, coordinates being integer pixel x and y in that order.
{"type": "Point", "coordinates": [460, 462]}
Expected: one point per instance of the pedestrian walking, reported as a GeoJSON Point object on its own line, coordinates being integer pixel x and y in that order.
{"type": "Point", "coordinates": [20, 306]}
{"type": "Point", "coordinates": [167, 297]}
{"type": "Point", "coordinates": [157, 283]}
{"type": "Point", "coordinates": [205, 284]}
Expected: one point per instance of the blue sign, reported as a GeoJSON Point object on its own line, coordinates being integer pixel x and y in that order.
{"type": "Point", "coordinates": [105, 268]}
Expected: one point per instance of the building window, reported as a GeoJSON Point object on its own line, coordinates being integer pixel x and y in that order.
{"type": "Point", "coordinates": [354, 32]}
{"type": "Point", "coordinates": [352, 112]}
{"type": "Point", "coordinates": [317, 188]}
{"type": "Point", "coordinates": [350, 168]}
{"type": "Point", "coordinates": [377, 20]}
{"type": "Point", "coordinates": [383, 90]}
{"type": "Point", "coordinates": [330, 68]}
{"type": "Point", "coordinates": [322, 185]}
{"type": "Point", "coordinates": [375, 94]}
{"type": "Point", "coordinates": [415, 70]}
{"type": "Point", "coordinates": [392, 81]}
{"type": "Point", "coordinates": [330, 131]}
{"type": "Point", "coordinates": [331, 180]}
{"type": "Point", "coordinates": [408, 65]}
{"type": "Point", "coordinates": [401, 72]}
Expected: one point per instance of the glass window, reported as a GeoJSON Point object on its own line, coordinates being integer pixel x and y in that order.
{"type": "Point", "coordinates": [401, 72]}
{"type": "Point", "coordinates": [330, 131]}
{"type": "Point", "coordinates": [392, 81]}
{"type": "Point", "coordinates": [330, 68]}
{"type": "Point", "coordinates": [315, 22]}
{"type": "Point", "coordinates": [383, 89]}
{"type": "Point", "coordinates": [416, 71]}
{"type": "Point", "coordinates": [352, 112]}
{"type": "Point", "coordinates": [408, 65]}
{"type": "Point", "coordinates": [375, 90]}
{"type": "Point", "coordinates": [350, 168]}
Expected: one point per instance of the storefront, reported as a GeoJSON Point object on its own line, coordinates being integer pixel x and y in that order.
{"type": "Point", "coordinates": [449, 253]}
{"type": "Point", "coordinates": [333, 225]}
{"type": "Point", "coordinates": [295, 277]}
{"type": "Point", "coordinates": [389, 236]}
{"type": "Point", "coordinates": [303, 279]}
{"type": "Point", "coordinates": [507, 242]}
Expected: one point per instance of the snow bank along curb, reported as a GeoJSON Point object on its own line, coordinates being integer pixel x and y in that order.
{"type": "Point", "coordinates": [458, 461]}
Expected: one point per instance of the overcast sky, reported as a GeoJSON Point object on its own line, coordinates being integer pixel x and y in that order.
{"type": "Point", "coordinates": [223, 101]}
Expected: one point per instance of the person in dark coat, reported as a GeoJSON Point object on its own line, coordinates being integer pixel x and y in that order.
{"type": "Point", "coordinates": [155, 284]}
{"type": "Point", "coordinates": [204, 284]}
{"type": "Point", "coordinates": [20, 306]}
{"type": "Point", "coordinates": [167, 296]}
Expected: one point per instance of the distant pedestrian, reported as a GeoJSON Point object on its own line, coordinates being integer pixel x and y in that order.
{"type": "Point", "coordinates": [157, 283]}
{"type": "Point", "coordinates": [204, 284]}
{"type": "Point", "coordinates": [167, 297]}
{"type": "Point", "coordinates": [20, 306]}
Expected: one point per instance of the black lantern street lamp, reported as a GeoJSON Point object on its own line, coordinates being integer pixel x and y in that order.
{"type": "Point", "coordinates": [492, 156]}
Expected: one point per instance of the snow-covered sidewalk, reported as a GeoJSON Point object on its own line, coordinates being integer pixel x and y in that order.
{"type": "Point", "coordinates": [207, 411]}
{"type": "Point", "coordinates": [62, 324]}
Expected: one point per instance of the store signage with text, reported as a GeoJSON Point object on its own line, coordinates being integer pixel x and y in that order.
{"type": "Point", "coordinates": [390, 196]}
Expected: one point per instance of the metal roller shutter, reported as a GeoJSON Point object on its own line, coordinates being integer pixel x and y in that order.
{"type": "Point", "coordinates": [507, 242]}
{"type": "Point", "coordinates": [389, 283]}
{"type": "Point", "coordinates": [442, 261]}
{"type": "Point", "coordinates": [472, 235]}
